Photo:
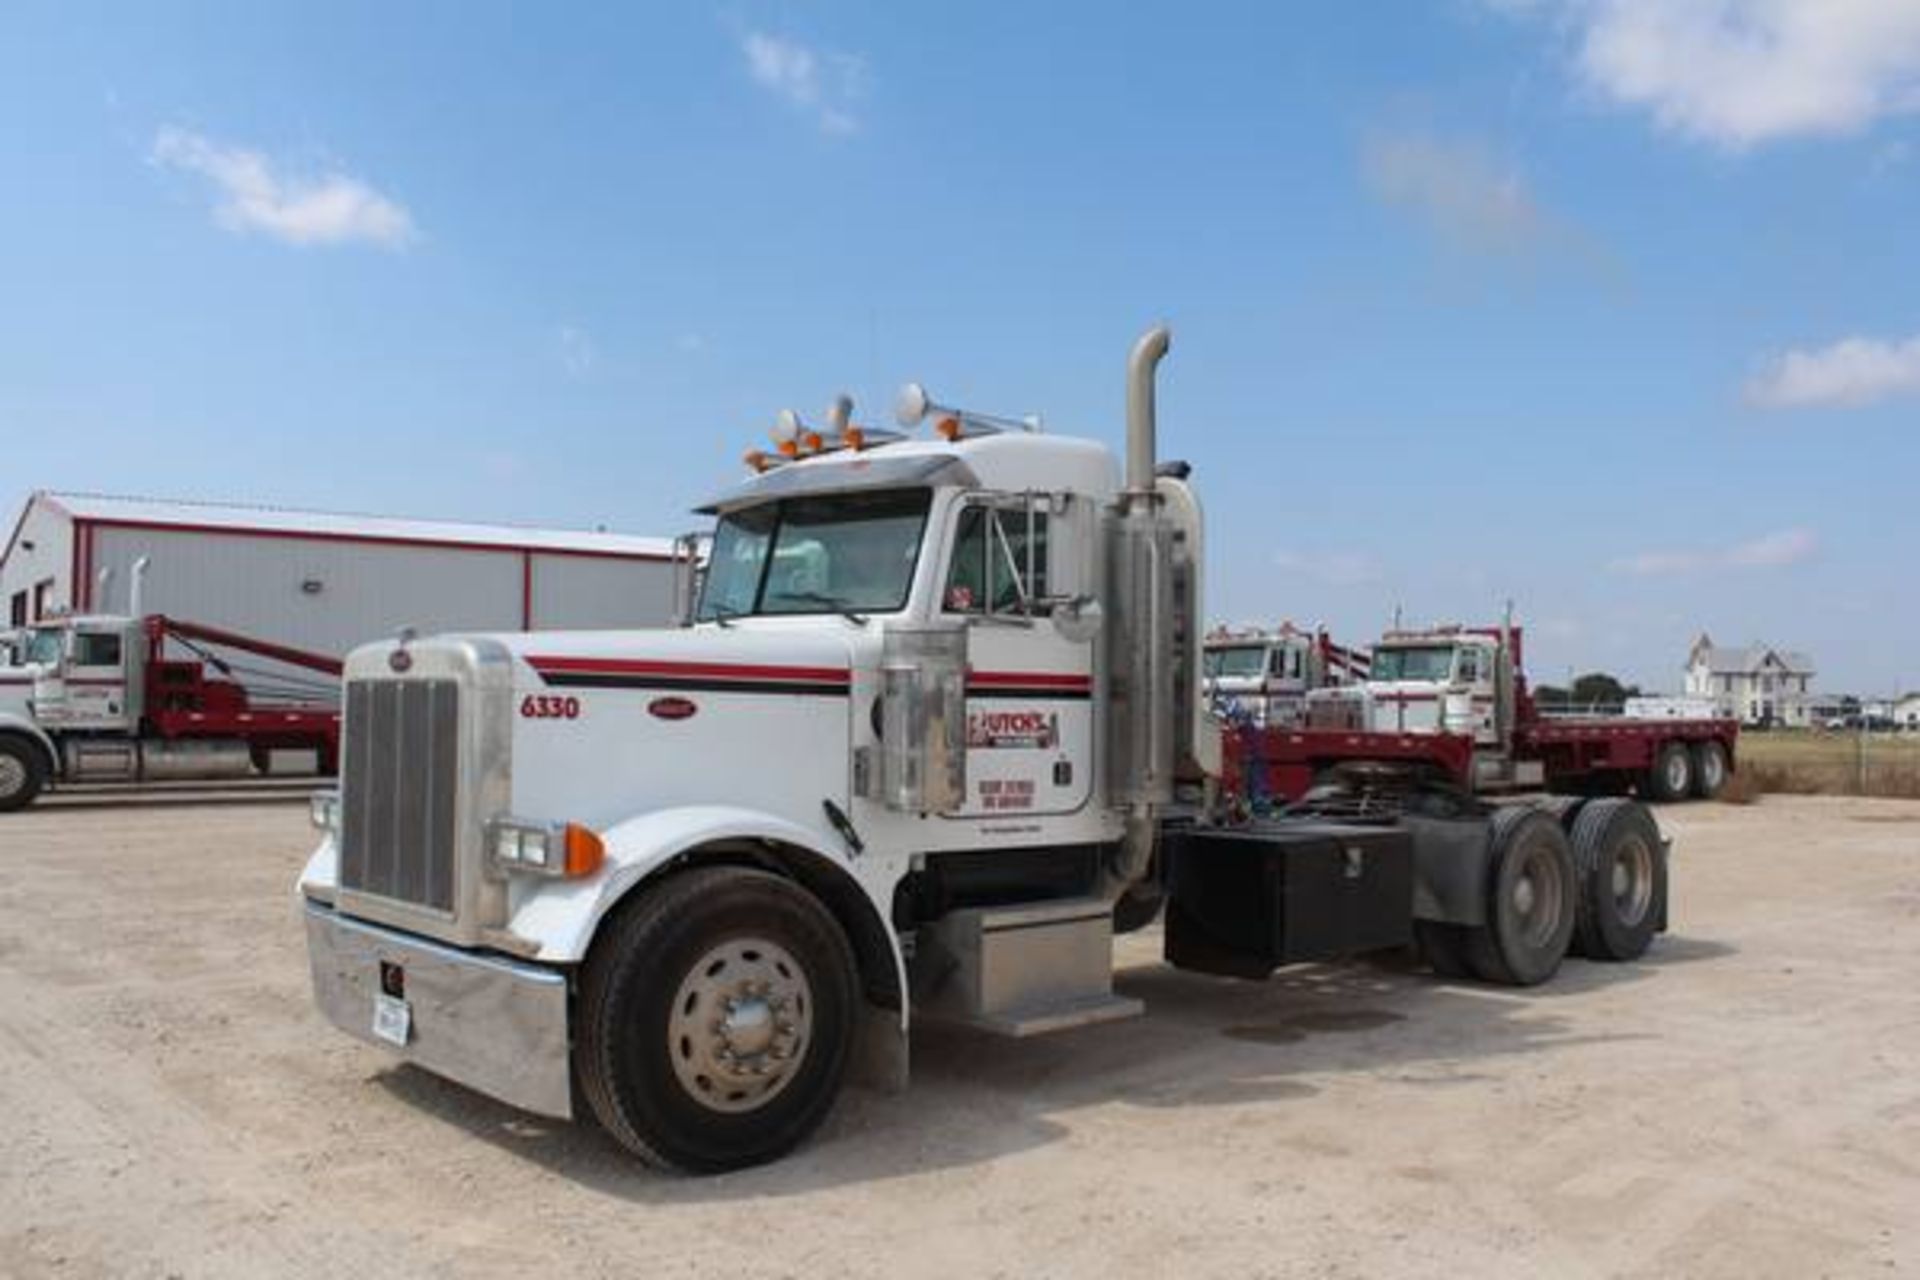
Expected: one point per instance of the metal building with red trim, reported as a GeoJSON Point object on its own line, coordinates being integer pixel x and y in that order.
{"type": "Point", "coordinates": [322, 581]}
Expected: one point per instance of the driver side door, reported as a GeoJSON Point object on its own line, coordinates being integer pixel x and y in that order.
{"type": "Point", "coordinates": [1029, 692]}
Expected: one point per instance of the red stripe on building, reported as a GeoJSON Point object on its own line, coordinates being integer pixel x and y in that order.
{"type": "Point", "coordinates": [378, 540]}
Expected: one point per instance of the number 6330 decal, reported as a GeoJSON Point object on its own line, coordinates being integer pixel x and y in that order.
{"type": "Point", "coordinates": [543, 706]}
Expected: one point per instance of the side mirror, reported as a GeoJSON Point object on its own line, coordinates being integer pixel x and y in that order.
{"type": "Point", "coordinates": [1078, 618]}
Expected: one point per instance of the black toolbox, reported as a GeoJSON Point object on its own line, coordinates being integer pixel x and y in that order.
{"type": "Point", "coordinates": [1244, 901]}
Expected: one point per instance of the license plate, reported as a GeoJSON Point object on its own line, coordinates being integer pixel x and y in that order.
{"type": "Point", "coordinates": [392, 1020]}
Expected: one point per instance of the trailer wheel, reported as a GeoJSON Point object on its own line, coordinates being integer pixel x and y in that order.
{"type": "Point", "coordinates": [23, 773]}
{"type": "Point", "coordinates": [1532, 898]}
{"type": "Point", "coordinates": [715, 1020]}
{"type": "Point", "coordinates": [1671, 777]}
{"type": "Point", "coordinates": [1444, 946]}
{"type": "Point", "coordinates": [1622, 865]}
{"type": "Point", "coordinates": [1709, 769]}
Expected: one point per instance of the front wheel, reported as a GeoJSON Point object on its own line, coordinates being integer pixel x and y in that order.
{"type": "Point", "coordinates": [715, 1019]}
{"type": "Point", "coordinates": [22, 773]}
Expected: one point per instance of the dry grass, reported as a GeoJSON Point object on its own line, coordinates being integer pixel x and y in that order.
{"type": "Point", "coordinates": [1815, 763]}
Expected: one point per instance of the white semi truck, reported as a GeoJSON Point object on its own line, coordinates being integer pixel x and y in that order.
{"type": "Point", "coordinates": [932, 732]}
{"type": "Point", "coordinates": [1261, 676]}
{"type": "Point", "coordinates": [147, 698]}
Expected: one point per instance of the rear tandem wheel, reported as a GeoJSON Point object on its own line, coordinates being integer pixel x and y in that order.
{"type": "Point", "coordinates": [1531, 903]}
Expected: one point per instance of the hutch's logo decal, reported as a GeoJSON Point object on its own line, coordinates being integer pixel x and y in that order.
{"type": "Point", "coordinates": [672, 708]}
{"type": "Point", "coordinates": [1013, 730]}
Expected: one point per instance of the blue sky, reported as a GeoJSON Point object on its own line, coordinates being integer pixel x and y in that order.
{"type": "Point", "coordinates": [1607, 306]}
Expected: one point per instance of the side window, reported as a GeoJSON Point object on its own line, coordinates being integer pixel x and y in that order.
{"type": "Point", "coordinates": [997, 567]}
{"type": "Point", "coordinates": [96, 649]}
{"type": "Point", "coordinates": [1469, 666]}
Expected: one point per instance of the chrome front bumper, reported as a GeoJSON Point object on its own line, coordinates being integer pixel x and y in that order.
{"type": "Point", "coordinates": [495, 1025]}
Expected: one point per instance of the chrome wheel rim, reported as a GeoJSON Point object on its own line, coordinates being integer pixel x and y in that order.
{"type": "Point", "coordinates": [1632, 880]}
{"type": "Point", "coordinates": [1712, 769]}
{"type": "Point", "coordinates": [1677, 772]}
{"type": "Point", "coordinates": [1538, 899]}
{"type": "Point", "coordinates": [741, 1025]}
{"type": "Point", "coordinates": [13, 777]}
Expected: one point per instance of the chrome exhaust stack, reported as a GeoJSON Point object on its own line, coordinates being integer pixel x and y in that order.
{"type": "Point", "coordinates": [1142, 445]}
{"type": "Point", "coordinates": [1140, 729]}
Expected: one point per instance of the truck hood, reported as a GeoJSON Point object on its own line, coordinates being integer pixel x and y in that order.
{"type": "Point", "coordinates": [1384, 706]}
{"type": "Point", "coordinates": [608, 725]}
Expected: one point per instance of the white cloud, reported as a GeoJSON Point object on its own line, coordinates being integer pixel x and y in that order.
{"type": "Point", "coordinates": [1769, 551]}
{"type": "Point", "coordinates": [330, 208]}
{"type": "Point", "coordinates": [1738, 73]}
{"type": "Point", "coordinates": [1334, 568]}
{"type": "Point", "coordinates": [1848, 374]}
{"type": "Point", "coordinates": [577, 352]}
{"type": "Point", "coordinates": [821, 82]}
{"type": "Point", "coordinates": [1457, 187]}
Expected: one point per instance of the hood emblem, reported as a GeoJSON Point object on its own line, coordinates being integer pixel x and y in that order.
{"type": "Point", "coordinates": [674, 708]}
{"type": "Point", "coordinates": [399, 661]}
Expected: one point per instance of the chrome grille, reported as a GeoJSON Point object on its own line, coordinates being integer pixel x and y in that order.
{"type": "Point", "coordinates": [398, 790]}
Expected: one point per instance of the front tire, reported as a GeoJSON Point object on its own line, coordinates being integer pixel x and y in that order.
{"type": "Point", "coordinates": [1531, 901]}
{"type": "Point", "coordinates": [715, 1018]}
{"type": "Point", "coordinates": [23, 773]}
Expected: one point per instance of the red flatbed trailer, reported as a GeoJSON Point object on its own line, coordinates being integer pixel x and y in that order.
{"type": "Point", "coordinates": [1661, 759]}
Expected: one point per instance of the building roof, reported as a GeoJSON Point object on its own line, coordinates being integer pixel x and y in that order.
{"type": "Point", "coordinates": [1721, 660]}
{"type": "Point", "coordinates": [108, 509]}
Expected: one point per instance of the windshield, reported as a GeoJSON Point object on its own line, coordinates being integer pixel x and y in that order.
{"type": "Point", "coordinates": [1425, 662]}
{"type": "Point", "coordinates": [1238, 662]}
{"type": "Point", "coordinates": [43, 646]}
{"type": "Point", "coordinates": [845, 552]}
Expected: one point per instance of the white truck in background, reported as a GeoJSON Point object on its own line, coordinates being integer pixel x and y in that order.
{"type": "Point", "coordinates": [146, 698]}
{"type": "Point", "coordinates": [1261, 676]}
{"type": "Point", "coordinates": [933, 732]}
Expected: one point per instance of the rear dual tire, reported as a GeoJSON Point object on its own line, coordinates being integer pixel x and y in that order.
{"type": "Point", "coordinates": [1710, 769]}
{"type": "Point", "coordinates": [1621, 861]}
{"type": "Point", "coordinates": [1532, 899]}
{"type": "Point", "coordinates": [1672, 776]}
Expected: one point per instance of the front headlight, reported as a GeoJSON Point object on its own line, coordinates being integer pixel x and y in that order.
{"type": "Point", "coordinates": [560, 849]}
{"type": "Point", "coordinates": [323, 808]}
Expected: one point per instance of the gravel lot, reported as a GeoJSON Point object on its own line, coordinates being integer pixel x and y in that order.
{"type": "Point", "coordinates": [1745, 1102]}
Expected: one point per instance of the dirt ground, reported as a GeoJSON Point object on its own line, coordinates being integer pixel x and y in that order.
{"type": "Point", "coordinates": [1746, 1102]}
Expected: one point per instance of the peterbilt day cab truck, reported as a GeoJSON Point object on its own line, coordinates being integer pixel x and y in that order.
{"type": "Point", "coordinates": [1451, 704]}
{"type": "Point", "coordinates": [1261, 676]}
{"type": "Point", "coordinates": [111, 698]}
{"type": "Point", "coordinates": [932, 733]}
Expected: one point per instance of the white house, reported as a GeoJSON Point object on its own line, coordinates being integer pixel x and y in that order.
{"type": "Point", "coordinates": [1757, 684]}
{"type": "Point", "coordinates": [1906, 711]}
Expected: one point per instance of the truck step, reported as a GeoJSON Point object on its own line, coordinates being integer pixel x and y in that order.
{"type": "Point", "coordinates": [1021, 969]}
{"type": "Point", "coordinates": [1038, 1020]}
